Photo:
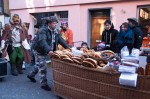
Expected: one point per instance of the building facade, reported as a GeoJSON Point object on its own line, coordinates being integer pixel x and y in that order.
{"type": "Point", "coordinates": [85, 17]}
{"type": "Point", "coordinates": [4, 12]}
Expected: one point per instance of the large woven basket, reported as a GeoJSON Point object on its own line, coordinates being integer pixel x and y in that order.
{"type": "Point", "coordinates": [73, 81]}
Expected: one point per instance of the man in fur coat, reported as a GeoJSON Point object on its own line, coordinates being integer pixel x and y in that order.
{"type": "Point", "coordinates": [14, 42]}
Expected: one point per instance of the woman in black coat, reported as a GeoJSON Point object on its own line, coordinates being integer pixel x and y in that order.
{"type": "Point", "coordinates": [109, 36]}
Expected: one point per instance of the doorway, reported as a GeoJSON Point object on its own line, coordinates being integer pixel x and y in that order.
{"type": "Point", "coordinates": [98, 18]}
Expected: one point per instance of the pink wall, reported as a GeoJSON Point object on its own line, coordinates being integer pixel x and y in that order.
{"type": "Point", "coordinates": [43, 3]}
{"type": "Point", "coordinates": [118, 15]}
{"type": "Point", "coordinates": [78, 14]}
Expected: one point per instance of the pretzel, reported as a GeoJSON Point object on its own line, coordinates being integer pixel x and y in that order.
{"type": "Point", "coordinates": [77, 58]}
{"type": "Point", "coordinates": [88, 64]}
{"type": "Point", "coordinates": [58, 52]}
{"type": "Point", "coordinates": [99, 67]}
{"type": "Point", "coordinates": [68, 54]}
{"type": "Point", "coordinates": [102, 65]}
{"type": "Point", "coordinates": [109, 68]}
{"type": "Point", "coordinates": [94, 62]}
{"type": "Point", "coordinates": [68, 60]}
{"type": "Point", "coordinates": [76, 62]}
{"type": "Point", "coordinates": [64, 56]}
{"type": "Point", "coordinates": [55, 55]}
{"type": "Point", "coordinates": [108, 51]}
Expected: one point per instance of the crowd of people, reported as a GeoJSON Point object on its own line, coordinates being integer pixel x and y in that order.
{"type": "Point", "coordinates": [130, 35]}
{"type": "Point", "coordinates": [17, 44]}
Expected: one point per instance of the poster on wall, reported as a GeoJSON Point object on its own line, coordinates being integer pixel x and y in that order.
{"type": "Point", "coordinates": [143, 14]}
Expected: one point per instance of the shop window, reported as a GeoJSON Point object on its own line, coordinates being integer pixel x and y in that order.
{"type": "Point", "coordinates": [144, 19]}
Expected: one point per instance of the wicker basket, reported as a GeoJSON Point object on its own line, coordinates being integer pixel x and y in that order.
{"type": "Point", "coordinates": [77, 82]}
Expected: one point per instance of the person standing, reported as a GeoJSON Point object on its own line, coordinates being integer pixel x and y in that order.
{"type": "Point", "coordinates": [45, 42]}
{"type": "Point", "coordinates": [109, 36]}
{"type": "Point", "coordinates": [125, 37]}
{"type": "Point", "coordinates": [15, 41]}
{"type": "Point", "coordinates": [66, 33]}
{"type": "Point", "coordinates": [138, 34]}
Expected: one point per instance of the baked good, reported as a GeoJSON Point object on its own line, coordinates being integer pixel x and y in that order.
{"type": "Point", "coordinates": [108, 51]}
{"type": "Point", "coordinates": [140, 71]}
{"type": "Point", "coordinates": [88, 64]}
{"type": "Point", "coordinates": [76, 62]}
{"type": "Point", "coordinates": [64, 56]}
{"type": "Point", "coordinates": [109, 68]}
{"type": "Point", "coordinates": [90, 52]}
{"type": "Point", "coordinates": [97, 55]}
{"type": "Point", "coordinates": [68, 54]}
{"type": "Point", "coordinates": [85, 50]}
{"type": "Point", "coordinates": [102, 65]}
{"type": "Point", "coordinates": [58, 52]}
{"type": "Point", "coordinates": [68, 60]}
{"type": "Point", "coordinates": [94, 62]}
{"type": "Point", "coordinates": [77, 58]}
{"type": "Point", "coordinates": [99, 67]}
{"type": "Point", "coordinates": [55, 55]}
{"type": "Point", "coordinates": [85, 55]}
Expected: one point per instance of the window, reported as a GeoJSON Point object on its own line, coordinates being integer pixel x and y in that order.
{"type": "Point", "coordinates": [144, 19]}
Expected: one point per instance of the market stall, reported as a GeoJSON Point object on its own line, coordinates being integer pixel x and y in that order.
{"type": "Point", "coordinates": [74, 80]}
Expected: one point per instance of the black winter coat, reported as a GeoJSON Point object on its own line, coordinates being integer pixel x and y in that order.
{"type": "Point", "coordinates": [138, 37]}
{"type": "Point", "coordinates": [110, 38]}
{"type": "Point", "coordinates": [42, 42]}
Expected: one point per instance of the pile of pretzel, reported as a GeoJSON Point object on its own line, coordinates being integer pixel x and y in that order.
{"type": "Point", "coordinates": [89, 58]}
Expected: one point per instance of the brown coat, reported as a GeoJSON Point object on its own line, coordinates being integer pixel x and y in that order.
{"type": "Point", "coordinates": [7, 34]}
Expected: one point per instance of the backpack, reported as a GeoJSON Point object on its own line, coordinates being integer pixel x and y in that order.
{"type": "Point", "coordinates": [37, 45]}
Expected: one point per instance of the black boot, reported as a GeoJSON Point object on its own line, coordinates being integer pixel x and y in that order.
{"type": "Point", "coordinates": [19, 68]}
{"type": "Point", "coordinates": [14, 72]}
{"type": "Point", "coordinates": [46, 87]}
{"type": "Point", "coordinates": [31, 78]}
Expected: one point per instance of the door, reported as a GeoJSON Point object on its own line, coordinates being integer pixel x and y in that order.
{"type": "Point", "coordinates": [98, 18]}
{"type": "Point", "coordinates": [96, 30]}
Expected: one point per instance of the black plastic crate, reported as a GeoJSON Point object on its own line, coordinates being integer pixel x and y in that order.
{"type": "Point", "coordinates": [3, 67]}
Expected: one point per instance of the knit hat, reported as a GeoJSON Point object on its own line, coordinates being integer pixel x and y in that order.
{"type": "Point", "coordinates": [64, 22]}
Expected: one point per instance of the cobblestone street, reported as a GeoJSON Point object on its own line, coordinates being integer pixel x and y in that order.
{"type": "Point", "coordinates": [20, 87]}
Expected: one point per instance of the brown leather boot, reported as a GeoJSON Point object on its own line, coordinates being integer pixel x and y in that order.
{"type": "Point", "coordinates": [13, 70]}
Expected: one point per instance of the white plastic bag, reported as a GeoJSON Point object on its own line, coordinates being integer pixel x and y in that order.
{"type": "Point", "coordinates": [124, 51]}
{"type": "Point", "coordinates": [76, 52]}
{"type": "Point", "coordinates": [135, 52]}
